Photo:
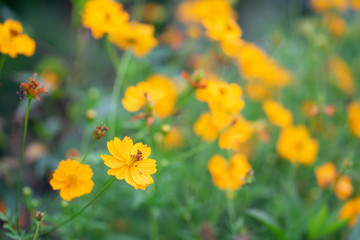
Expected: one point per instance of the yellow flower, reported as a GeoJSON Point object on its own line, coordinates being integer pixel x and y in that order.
{"type": "Point", "coordinates": [277, 114]}
{"type": "Point", "coordinates": [325, 174]}
{"type": "Point", "coordinates": [73, 179]}
{"type": "Point", "coordinates": [13, 41]}
{"type": "Point", "coordinates": [130, 162]}
{"type": "Point", "coordinates": [344, 188]}
{"type": "Point", "coordinates": [296, 145]}
{"type": "Point", "coordinates": [351, 210]}
{"type": "Point", "coordinates": [232, 47]}
{"type": "Point", "coordinates": [236, 134]}
{"type": "Point", "coordinates": [342, 74]}
{"type": "Point", "coordinates": [222, 29]}
{"type": "Point", "coordinates": [326, 5]}
{"type": "Point", "coordinates": [257, 91]}
{"type": "Point", "coordinates": [355, 4]}
{"type": "Point", "coordinates": [353, 112]}
{"type": "Point", "coordinates": [102, 16]}
{"type": "Point", "coordinates": [173, 138]}
{"type": "Point", "coordinates": [137, 37]}
{"type": "Point", "coordinates": [205, 128]}
{"type": "Point", "coordinates": [336, 25]}
{"type": "Point", "coordinates": [157, 92]}
{"type": "Point", "coordinates": [229, 175]}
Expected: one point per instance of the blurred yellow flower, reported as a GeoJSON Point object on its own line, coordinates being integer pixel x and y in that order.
{"type": "Point", "coordinates": [325, 5]}
{"type": "Point", "coordinates": [137, 37]}
{"type": "Point", "coordinates": [351, 210]}
{"type": "Point", "coordinates": [336, 25]}
{"type": "Point", "coordinates": [130, 162]}
{"type": "Point", "coordinates": [73, 179]}
{"type": "Point", "coordinates": [173, 138]}
{"type": "Point", "coordinates": [277, 114]}
{"type": "Point", "coordinates": [257, 91]}
{"type": "Point", "coordinates": [325, 174]}
{"type": "Point", "coordinates": [296, 145]}
{"type": "Point", "coordinates": [229, 175]}
{"type": "Point", "coordinates": [353, 112]}
{"type": "Point", "coordinates": [236, 134]}
{"type": "Point", "coordinates": [355, 4]}
{"type": "Point", "coordinates": [342, 73]}
{"type": "Point", "coordinates": [344, 188]}
{"type": "Point", "coordinates": [13, 41]}
{"type": "Point", "coordinates": [157, 93]}
{"type": "Point", "coordinates": [103, 16]}
{"type": "Point", "coordinates": [205, 128]}
{"type": "Point", "coordinates": [51, 79]}
{"type": "Point", "coordinates": [222, 29]}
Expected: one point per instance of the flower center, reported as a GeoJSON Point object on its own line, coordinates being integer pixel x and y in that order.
{"type": "Point", "coordinates": [135, 157]}
{"type": "Point", "coordinates": [72, 178]}
{"type": "Point", "coordinates": [14, 32]}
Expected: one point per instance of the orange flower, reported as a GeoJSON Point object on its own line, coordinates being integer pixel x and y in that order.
{"type": "Point", "coordinates": [344, 188]}
{"type": "Point", "coordinates": [73, 179]}
{"type": "Point", "coordinates": [236, 134]}
{"type": "Point", "coordinates": [157, 94]}
{"type": "Point", "coordinates": [326, 5]}
{"type": "Point", "coordinates": [173, 138]}
{"type": "Point", "coordinates": [31, 89]}
{"type": "Point", "coordinates": [130, 162]}
{"type": "Point", "coordinates": [257, 91]}
{"type": "Point", "coordinates": [336, 25]}
{"type": "Point", "coordinates": [13, 41]}
{"type": "Point", "coordinates": [325, 174]}
{"type": "Point", "coordinates": [102, 16]}
{"type": "Point", "coordinates": [205, 128]}
{"type": "Point", "coordinates": [351, 210]}
{"type": "Point", "coordinates": [355, 4]}
{"type": "Point", "coordinates": [277, 114]}
{"type": "Point", "coordinates": [229, 175]}
{"type": "Point", "coordinates": [137, 37]}
{"type": "Point", "coordinates": [222, 29]}
{"type": "Point", "coordinates": [343, 76]}
{"type": "Point", "coordinates": [353, 112]}
{"type": "Point", "coordinates": [296, 145]}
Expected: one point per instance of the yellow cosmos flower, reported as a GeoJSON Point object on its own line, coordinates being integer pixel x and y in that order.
{"type": "Point", "coordinates": [137, 37]}
{"type": "Point", "coordinates": [73, 179]}
{"type": "Point", "coordinates": [353, 112]}
{"type": "Point", "coordinates": [255, 64]}
{"type": "Point", "coordinates": [296, 145]}
{"type": "Point", "coordinates": [257, 91]}
{"type": "Point", "coordinates": [325, 174]}
{"type": "Point", "coordinates": [231, 47]}
{"type": "Point", "coordinates": [236, 135]}
{"type": "Point", "coordinates": [336, 25]}
{"type": "Point", "coordinates": [351, 210]}
{"type": "Point", "coordinates": [130, 162]}
{"type": "Point", "coordinates": [13, 41]}
{"type": "Point", "coordinates": [157, 92]}
{"type": "Point", "coordinates": [206, 128]}
{"type": "Point", "coordinates": [222, 29]}
{"type": "Point", "coordinates": [103, 16]}
{"type": "Point", "coordinates": [343, 77]}
{"type": "Point", "coordinates": [344, 188]}
{"type": "Point", "coordinates": [173, 138]}
{"type": "Point", "coordinates": [229, 175]}
{"type": "Point", "coordinates": [325, 5]}
{"type": "Point", "coordinates": [355, 4]}
{"type": "Point", "coordinates": [277, 114]}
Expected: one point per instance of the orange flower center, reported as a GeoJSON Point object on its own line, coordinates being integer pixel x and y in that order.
{"type": "Point", "coordinates": [135, 158]}
{"type": "Point", "coordinates": [14, 32]}
{"type": "Point", "coordinates": [72, 178]}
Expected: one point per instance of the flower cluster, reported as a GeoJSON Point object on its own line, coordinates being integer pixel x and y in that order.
{"type": "Point", "coordinates": [13, 41]}
{"type": "Point", "coordinates": [109, 17]}
{"type": "Point", "coordinates": [31, 89]}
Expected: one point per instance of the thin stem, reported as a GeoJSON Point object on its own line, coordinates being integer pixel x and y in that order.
{"type": "Point", "coordinates": [154, 234]}
{"type": "Point", "coordinates": [20, 164]}
{"type": "Point", "coordinates": [2, 61]}
{"type": "Point", "coordinates": [245, 201]}
{"type": "Point", "coordinates": [231, 210]}
{"type": "Point", "coordinates": [120, 74]}
{"type": "Point", "coordinates": [87, 153]}
{"type": "Point", "coordinates": [83, 209]}
{"type": "Point", "coordinates": [37, 230]}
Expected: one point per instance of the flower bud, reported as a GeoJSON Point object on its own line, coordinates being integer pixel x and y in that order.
{"type": "Point", "coordinates": [100, 131]}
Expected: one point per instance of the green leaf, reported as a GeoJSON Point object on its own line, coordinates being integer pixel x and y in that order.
{"type": "Point", "coordinates": [355, 233]}
{"type": "Point", "coordinates": [266, 219]}
{"type": "Point", "coordinates": [316, 223]}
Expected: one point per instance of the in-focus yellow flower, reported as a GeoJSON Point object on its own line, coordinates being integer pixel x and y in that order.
{"type": "Point", "coordinates": [229, 175]}
{"type": "Point", "coordinates": [336, 25]}
{"type": "Point", "coordinates": [157, 92]}
{"type": "Point", "coordinates": [296, 145]}
{"type": "Point", "coordinates": [351, 210]}
{"type": "Point", "coordinates": [73, 179]}
{"type": "Point", "coordinates": [103, 16]}
{"type": "Point", "coordinates": [353, 112]}
{"type": "Point", "coordinates": [222, 29]}
{"type": "Point", "coordinates": [130, 162]}
{"type": "Point", "coordinates": [325, 174]}
{"type": "Point", "coordinates": [343, 77]}
{"type": "Point", "coordinates": [344, 188]}
{"type": "Point", "coordinates": [137, 37]}
{"type": "Point", "coordinates": [205, 128]}
{"type": "Point", "coordinates": [236, 135]}
{"type": "Point", "coordinates": [13, 41]}
{"type": "Point", "coordinates": [173, 138]}
{"type": "Point", "coordinates": [277, 114]}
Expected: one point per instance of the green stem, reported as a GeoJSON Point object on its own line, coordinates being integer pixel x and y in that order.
{"type": "Point", "coordinates": [245, 201]}
{"type": "Point", "coordinates": [154, 234]}
{"type": "Point", "coordinates": [2, 62]}
{"type": "Point", "coordinates": [87, 153]}
{"type": "Point", "coordinates": [20, 164]}
{"type": "Point", "coordinates": [120, 74]}
{"type": "Point", "coordinates": [37, 230]}
{"type": "Point", "coordinates": [83, 209]}
{"type": "Point", "coordinates": [231, 211]}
